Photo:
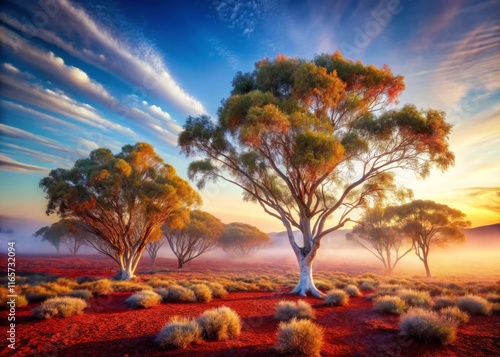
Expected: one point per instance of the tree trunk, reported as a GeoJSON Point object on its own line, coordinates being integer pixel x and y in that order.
{"type": "Point", "coordinates": [426, 265]}
{"type": "Point", "coordinates": [306, 281]}
{"type": "Point", "coordinates": [180, 263]}
{"type": "Point", "coordinates": [125, 274]}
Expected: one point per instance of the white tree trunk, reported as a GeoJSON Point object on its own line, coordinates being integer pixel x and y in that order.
{"type": "Point", "coordinates": [306, 282]}
{"type": "Point", "coordinates": [125, 273]}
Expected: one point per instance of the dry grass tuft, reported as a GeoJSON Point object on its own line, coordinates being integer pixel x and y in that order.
{"type": "Point", "coordinates": [474, 305]}
{"type": "Point", "coordinates": [300, 337]}
{"type": "Point", "coordinates": [144, 299]}
{"type": "Point", "coordinates": [59, 307]}
{"type": "Point", "coordinates": [219, 324]}
{"type": "Point", "coordinates": [201, 292]}
{"type": "Point", "coordinates": [180, 332]}
{"type": "Point", "coordinates": [336, 297]}
{"type": "Point", "coordinates": [352, 290]}
{"type": "Point", "coordinates": [390, 304]}
{"type": "Point", "coordinates": [286, 310]}
{"type": "Point", "coordinates": [428, 326]}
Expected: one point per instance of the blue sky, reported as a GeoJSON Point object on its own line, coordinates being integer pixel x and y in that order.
{"type": "Point", "coordinates": [80, 75]}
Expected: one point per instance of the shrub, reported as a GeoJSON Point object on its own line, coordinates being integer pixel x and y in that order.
{"type": "Point", "coordinates": [323, 285]}
{"type": "Point", "coordinates": [219, 324]}
{"type": "Point", "coordinates": [427, 326]}
{"type": "Point", "coordinates": [99, 287]}
{"type": "Point", "coordinates": [179, 333]}
{"type": "Point", "coordinates": [60, 307]}
{"type": "Point", "coordinates": [218, 291]}
{"type": "Point", "coordinates": [38, 293]}
{"type": "Point", "coordinates": [368, 286]}
{"type": "Point", "coordinates": [287, 310]}
{"type": "Point", "coordinates": [81, 293]}
{"type": "Point", "coordinates": [144, 298]}
{"type": "Point", "coordinates": [177, 293]}
{"type": "Point", "coordinates": [474, 305]}
{"type": "Point", "coordinates": [128, 286]}
{"type": "Point", "coordinates": [300, 336]}
{"type": "Point", "coordinates": [202, 292]}
{"type": "Point", "coordinates": [415, 298]}
{"type": "Point", "coordinates": [444, 301]}
{"type": "Point", "coordinates": [390, 304]}
{"type": "Point", "coordinates": [352, 290]}
{"type": "Point", "coordinates": [453, 312]}
{"type": "Point", "coordinates": [156, 282]}
{"type": "Point", "coordinates": [336, 297]}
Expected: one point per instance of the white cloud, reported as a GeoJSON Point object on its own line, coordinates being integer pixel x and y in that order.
{"type": "Point", "coordinates": [9, 164]}
{"type": "Point", "coordinates": [99, 47]}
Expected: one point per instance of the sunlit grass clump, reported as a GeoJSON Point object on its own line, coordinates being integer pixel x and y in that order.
{"type": "Point", "coordinates": [286, 310]}
{"type": "Point", "coordinates": [442, 302]}
{"type": "Point", "coordinates": [144, 299]}
{"type": "Point", "coordinates": [180, 332]}
{"type": "Point", "coordinates": [100, 287]}
{"type": "Point", "coordinates": [177, 293]}
{"type": "Point", "coordinates": [474, 305]}
{"type": "Point", "coordinates": [453, 312]}
{"type": "Point", "coordinates": [300, 337]}
{"type": "Point", "coordinates": [219, 324]}
{"type": "Point", "coordinates": [336, 297]}
{"type": "Point", "coordinates": [415, 298]}
{"type": "Point", "coordinates": [81, 293]}
{"type": "Point", "coordinates": [218, 290]}
{"type": "Point", "coordinates": [428, 326]}
{"type": "Point", "coordinates": [390, 305]}
{"type": "Point", "coordinates": [59, 307]}
{"type": "Point", "coordinates": [201, 292]}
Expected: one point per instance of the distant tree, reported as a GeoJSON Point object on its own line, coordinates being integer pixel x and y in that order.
{"type": "Point", "coordinates": [377, 232]}
{"type": "Point", "coordinates": [312, 141]}
{"type": "Point", "coordinates": [153, 248]}
{"type": "Point", "coordinates": [52, 234]}
{"type": "Point", "coordinates": [428, 224]}
{"type": "Point", "coordinates": [193, 236]}
{"type": "Point", "coordinates": [240, 239]}
{"type": "Point", "coordinates": [122, 200]}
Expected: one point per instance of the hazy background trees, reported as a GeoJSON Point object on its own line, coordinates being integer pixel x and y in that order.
{"type": "Point", "coordinates": [312, 141]}
{"type": "Point", "coordinates": [241, 239]}
{"type": "Point", "coordinates": [430, 224]}
{"type": "Point", "coordinates": [121, 200]}
{"type": "Point", "coordinates": [191, 236]}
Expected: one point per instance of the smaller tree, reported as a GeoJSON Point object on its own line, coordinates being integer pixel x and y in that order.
{"type": "Point", "coordinates": [429, 224]}
{"type": "Point", "coordinates": [240, 239]}
{"type": "Point", "coordinates": [63, 232]}
{"type": "Point", "coordinates": [377, 232]}
{"type": "Point", "coordinates": [153, 248]}
{"type": "Point", "coordinates": [192, 236]}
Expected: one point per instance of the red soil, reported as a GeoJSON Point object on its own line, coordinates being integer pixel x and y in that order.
{"type": "Point", "coordinates": [110, 328]}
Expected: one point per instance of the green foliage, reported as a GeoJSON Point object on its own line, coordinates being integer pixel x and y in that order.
{"type": "Point", "coordinates": [292, 131]}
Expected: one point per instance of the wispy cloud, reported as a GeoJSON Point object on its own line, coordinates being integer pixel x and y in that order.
{"type": "Point", "coordinates": [40, 156]}
{"type": "Point", "coordinates": [139, 66]}
{"type": "Point", "coordinates": [16, 133]}
{"type": "Point", "coordinates": [243, 16]}
{"type": "Point", "coordinates": [9, 164]}
{"type": "Point", "coordinates": [223, 51]}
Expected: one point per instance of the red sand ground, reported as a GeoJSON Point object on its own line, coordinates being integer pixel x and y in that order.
{"type": "Point", "coordinates": [110, 328]}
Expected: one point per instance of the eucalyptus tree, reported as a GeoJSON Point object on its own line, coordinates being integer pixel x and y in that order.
{"type": "Point", "coordinates": [311, 141]}
{"type": "Point", "coordinates": [195, 234]}
{"type": "Point", "coordinates": [121, 200]}
{"type": "Point", "coordinates": [241, 239]}
{"type": "Point", "coordinates": [63, 232]}
{"type": "Point", "coordinates": [429, 224]}
{"type": "Point", "coordinates": [378, 232]}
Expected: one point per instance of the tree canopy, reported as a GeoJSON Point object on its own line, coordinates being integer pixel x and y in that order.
{"type": "Point", "coordinates": [379, 233]}
{"type": "Point", "coordinates": [64, 232]}
{"type": "Point", "coordinates": [428, 224]}
{"type": "Point", "coordinates": [240, 239]}
{"type": "Point", "coordinates": [312, 141]}
{"type": "Point", "coordinates": [122, 200]}
{"type": "Point", "coordinates": [193, 235]}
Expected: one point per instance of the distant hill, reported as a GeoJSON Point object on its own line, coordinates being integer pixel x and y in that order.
{"type": "Point", "coordinates": [484, 236]}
